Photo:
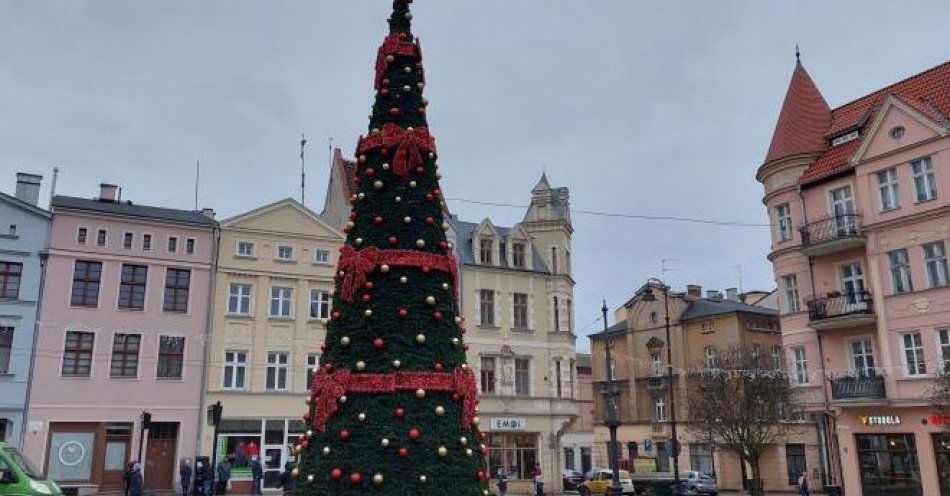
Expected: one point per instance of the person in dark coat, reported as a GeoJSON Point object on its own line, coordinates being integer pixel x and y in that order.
{"type": "Point", "coordinates": [184, 475]}
{"type": "Point", "coordinates": [223, 476]}
{"type": "Point", "coordinates": [135, 480]}
{"type": "Point", "coordinates": [502, 479]}
{"type": "Point", "coordinates": [803, 489]}
{"type": "Point", "coordinates": [257, 473]}
{"type": "Point", "coordinates": [287, 478]}
{"type": "Point", "coordinates": [538, 480]}
{"type": "Point", "coordinates": [127, 476]}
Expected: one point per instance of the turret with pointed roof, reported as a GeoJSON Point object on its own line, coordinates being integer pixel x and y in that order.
{"type": "Point", "coordinates": [803, 121]}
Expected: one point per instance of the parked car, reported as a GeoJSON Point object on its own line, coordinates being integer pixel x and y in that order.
{"type": "Point", "coordinates": [600, 479]}
{"type": "Point", "coordinates": [19, 476]}
{"type": "Point", "coordinates": [699, 484]}
{"type": "Point", "coordinates": [571, 479]}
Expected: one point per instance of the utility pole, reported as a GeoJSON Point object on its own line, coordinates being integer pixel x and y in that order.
{"type": "Point", "coordinates": [674, 442]}
{"type": "Point", "coordinates": [303, 174]}
{"type": "Point", "coordinates": [612, 418]}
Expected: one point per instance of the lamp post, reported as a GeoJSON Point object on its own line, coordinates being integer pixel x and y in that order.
{"type": "Point", "coordinates": [214, 418]}
{"type": "Point", "coordinates": [674, 444]}
{"type": "Point", "coordinates": [611, 415]}
{"type": "Point", "coordinates": [146, 424]}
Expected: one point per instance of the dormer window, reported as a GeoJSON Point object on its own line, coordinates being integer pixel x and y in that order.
{"type": "Point", "coordinates": [844, 138]}
{"type": "Point", "coordinates": [518, 254]}
{"type": "Point", "coordinates": [486, 246]}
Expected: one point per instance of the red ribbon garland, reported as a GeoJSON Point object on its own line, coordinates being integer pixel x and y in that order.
{"type": "Point", "coordinates": [394, 45]}
{"type": "Point", "coordinates": [357, 264]}
{"type": "Point", "coordinates": [409, 145]}
{"type": "Point", "coordinates": [329, 387]}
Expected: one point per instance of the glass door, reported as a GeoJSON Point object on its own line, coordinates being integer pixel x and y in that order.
{"type": "Point", "coordinates": [888, 464]}
{"type": "Point", "coordinates": [862, 357]}
{"type": "Point", "coordinates": [274, 452]}
{"type": "Point", "coordinates": [842, 207]}
{"type": "Point", "coordinates": [852, 285]}
{"type": "Point", "coordinates": [942, 455]}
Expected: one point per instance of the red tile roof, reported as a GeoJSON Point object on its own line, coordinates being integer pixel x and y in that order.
{"type": "Point", "coordinates": [347, 171]}
{"type": "Point", "coordinates": [803, 120]}
{"type": "Point", "coordinates": [928, 92]}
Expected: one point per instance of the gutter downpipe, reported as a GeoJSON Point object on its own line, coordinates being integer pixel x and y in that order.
{"type": "Point", "coordinates": [209, 319]}
{"type": "Point", "coordinates": [44, 261]}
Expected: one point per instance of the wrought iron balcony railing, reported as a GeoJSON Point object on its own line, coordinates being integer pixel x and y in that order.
{"type": "Point", "coordinates": [840, 305]}
{"type": "Point", "coordinates": [860, 386]}
{"type": "Point", "coordinates": [833, 228]}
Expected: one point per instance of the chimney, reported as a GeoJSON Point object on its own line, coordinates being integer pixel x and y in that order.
{"type": "Point", "coordinates": [208, 212]}
{"type": "Point", "coordinates": [732, 294]}
{"type": "Point", "coordinates": [693, 292]}
{"type": "Point", "coordinates": [28, 187]}
{"type": "Point", "coordinates": [108, 192]}
{"type": "Point", "coordinates": [712, 294]}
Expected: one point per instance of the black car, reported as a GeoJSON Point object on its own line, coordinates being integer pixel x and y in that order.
{"type": "Point", "coordinates": [571, 478]}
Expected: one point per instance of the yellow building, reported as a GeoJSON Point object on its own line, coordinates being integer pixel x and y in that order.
{"type": "Point", "coordinates": [271, 298]}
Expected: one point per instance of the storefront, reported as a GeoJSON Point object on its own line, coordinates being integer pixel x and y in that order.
{"type": "Point", "coordinates": [513, 447]}
{"type": "Point", "coordinates": [89, 454]}
{"type": "Point", "coordinates": [941, 442]}
{"type": "Point", "coordinates": [270, 439]}
{"type": "Point", "coordinates": [888, 464]}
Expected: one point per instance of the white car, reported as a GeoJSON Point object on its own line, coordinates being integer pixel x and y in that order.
{"type": "Point", "coordinates": [697, 483]}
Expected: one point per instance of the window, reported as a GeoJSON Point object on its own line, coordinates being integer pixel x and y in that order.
{"type": "Point", "coordinates": [659, 410]}
{"type": "Point", "coordinates": [570, 319]}
{"type": "Point", "coordinates": [518, 255]}
{"type": "Point", "coordinates": [557, 315]}
{"type": "Point", "coordinates": [485, 248]}
{"type": "Point", "coordinates": [86, 277]}
{"type": "Point", "coordinates": [285, 253]}
{"type": "Point", "coordinates": [943, 354]}
{"type": "Point", "coordinates": [712, 358]}
{"type": "Point", "coordinates": [887, 187]}
{"type": "Point", "coordinates": [900, 271]}
{"type": "Point", "coordinates": [569, 458]}
{"type": "Point", "coordinates": [77, 353]}
{"type": "Point", "coordinates": [935, 261]}
{"type": "Point", "coordinates": [81, 235]}
{"type": "Point", "coordinates": [171, 354]}
{"type": "Point", "coordinates": [321, 256]}
{"type": "Point", "coordinates": [280, 302]}
{"type": "Point", "coordinates": [662, 456]}
{"type": "Point", "coordinates": [913, 346]}
{"type": "Point", "coordinates": [127, 240]}
{"type": "Point", "coordinates": [487, 374]}
{"type": "Point", "coordinates": [177, 282]}
{"type": "Point", "coordinates": [570, 377]}
{"type": "Point", "coordinates": [522, 376]}
{"type": "Point", "coordinates": [567, 261]}
{"type": "Point", "coordinates": [790, 284]}
{"type": "Point", "coordinates": [554, 260]}
{"type": "Point", "coordinates": [557, 377]}
{"type": "Point", "coordinates": [6, 349]}
{"type": "Point", "coordinates": [319, 304]}
{"type": "Point", "coordinates": [486, 299]}
{"type": "Point", "coordinates": [277, 371]}
{"type": "Point", "coordinates": [12, 230]}
{"type": "Point", "coordinates": [776, 356]}
{"type": "Point", "coordinates": [795, 461]}
{"type": "Point", "coordinates": [10, 273]}
{"type": "Point", "coordinates": [783, 219]}
{"type": "Point", "coordinates": [132, 287]}
{"type": "Point", "coordinates": [925, 185]}
{"type": "Point", "coordinates": [245, 249]}
{"type": "Point", "coordinates": [862, 357]}
{"type": "Point", "coordinates": [172, 244]}
{"type": "Point", "coordinates": [701, 458]}
{"type": "Point", "coordinates": [125, 355]}
{"type": "Point", "coordinates": [239, 299]}
{"type": "Point", "coordinates": [101, 237]}
{"type": "Point", "coordinates": [313, 361]}
{"type": "Point", "coordinates": [235, 369]}
{"type": "Point", "coordinates": [656, 363]}
{"type": "Point", "coordinates": [520, 310]}
{"type": "Point", "coordinates": [147, 242]}
{"type": "Point", "coordinates": [800, 366]}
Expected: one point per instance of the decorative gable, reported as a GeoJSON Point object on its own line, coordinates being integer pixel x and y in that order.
{"type": "Point", "coordinates": [284, 216]}
{"type": "Point", "coordinates": [897, 125]}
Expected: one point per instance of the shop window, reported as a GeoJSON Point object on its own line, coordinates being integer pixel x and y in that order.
{"type": "Point", "coordinates": [795, 461]}
{"type": "Point", "coordinates": [701, 459]}
{"type": "Point", "coordinates": [941, 442]}
{"type": "Point", "coordinates": [516, 452]}
{"type": "Point", "coordinates": [888, 464]}
{"type": "Point", "coordinates": [71, 455]}
{"type": "Point", "coordinates": [662, 457]}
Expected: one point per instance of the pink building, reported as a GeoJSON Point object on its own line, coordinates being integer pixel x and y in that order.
{"type": "Point", "coordinates": [858, 198]}
{"type": "Point", "coordinates": [123, 321]}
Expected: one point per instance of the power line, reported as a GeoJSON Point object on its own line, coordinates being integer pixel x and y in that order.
{"type": "Point", "coordinates": [623, 215]}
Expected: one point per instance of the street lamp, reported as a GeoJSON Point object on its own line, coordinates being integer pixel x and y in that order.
{"type": "Point", "coordinates": [612, 419]}
{"type": "Point", "coordinates": [675, 444]}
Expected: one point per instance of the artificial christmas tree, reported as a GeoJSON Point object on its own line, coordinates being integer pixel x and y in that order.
{"type": "Point", "coordinates": [393, 406]}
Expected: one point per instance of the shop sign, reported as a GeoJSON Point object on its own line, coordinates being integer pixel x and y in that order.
{"type": "Point", "coordinates": [939, 419]}
{"type": "Point", "coordinates": [880, 420]}
{"type": "Point", "coordinates": [508, 424]}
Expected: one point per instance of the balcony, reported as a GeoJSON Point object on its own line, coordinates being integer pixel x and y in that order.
{"type": "Point", "coordinates": [834, 234]}
{"type": "Point", "coordinates": [858, 388]}
{"type": "Point", "coordinates": [841, 311]}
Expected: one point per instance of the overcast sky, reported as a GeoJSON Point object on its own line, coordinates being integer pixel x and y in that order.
{"type": "Point", "coordinates": [662, 108]}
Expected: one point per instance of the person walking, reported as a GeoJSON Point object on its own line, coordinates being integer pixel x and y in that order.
{"type": "Point", "coordinates": [287, 478]}
{"type": "Point", "coordinates": [501, 477]}
{"type": "Point", "coordinates": [538, 480]}
{"type": "Point", "coordinates": [135, 480]}
{"type": "Point", "coordinates": [223, 475]}
{"type": "Point", "coordinates": [803, 485]}
{"type": "Point", "coordinates": [257, 473]}
{"type": "Point", "coordinates": [127, 476]}
{"type": "Point", "coordinates": [184, 475]}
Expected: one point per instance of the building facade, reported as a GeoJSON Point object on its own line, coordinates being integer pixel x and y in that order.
{"type": "Point", "coordinates": [578, 442]}
{"type": "Point", "coordinates": [700, 330]}
{"type": "Point", "coordinates": [272, 299]}
{"type": "Point", "coordinates": [858, 198]}
{"type": "Point", "coordinates": [22, 242]}
{"type": "Point", "coordinates": [122, 331]}
{"type": "Point", "coordinates": [516, 297]}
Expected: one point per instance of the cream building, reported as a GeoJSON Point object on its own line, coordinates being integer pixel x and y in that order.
{"type": "Point", "coordinates": [271, 296]}
{"type": "Point", "coordinates": [516, 297]}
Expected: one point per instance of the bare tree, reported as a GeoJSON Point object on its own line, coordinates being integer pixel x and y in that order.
{"type": "Point", "coordinates": [940, 393]}
{"type": "Point", "coordinates": [741, 405]}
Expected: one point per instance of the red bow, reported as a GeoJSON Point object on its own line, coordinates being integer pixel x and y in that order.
{"type": "Point", "coordinates": [327, 389]}
{"type": "Point", "coordinates": [357, 264]}
{"type": "Point", "coordinates": [409, 145]}
{"type": "Point", "coordinates": [393, 45]}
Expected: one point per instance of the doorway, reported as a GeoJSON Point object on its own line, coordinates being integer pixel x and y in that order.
{"type": "Point", "coordinates": [888, 465]}
{"type": "Point", "coordinates": [160, 455]}
{"type": "Point", "coordinates": [942, 454]}
{"type": "Point", "coordinates": [842, 207]}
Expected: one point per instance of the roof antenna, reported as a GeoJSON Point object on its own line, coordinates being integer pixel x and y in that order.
{"type": "Point", "coordinates": [798, 54]}
{"type": "Point", "coordinates": [303, 176]}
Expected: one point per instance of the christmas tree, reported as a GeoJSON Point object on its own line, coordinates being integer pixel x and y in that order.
{"type": "Point", "coordinates": [393, 405]}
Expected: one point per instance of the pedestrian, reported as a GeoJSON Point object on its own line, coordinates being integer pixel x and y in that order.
{"type": "Point", "coordinates": [257, 473]}
{"type": "Point", "coordinates": [287, 478]}
{"type": "Point", "coordinates": [223, 475]}
{"type": "Point", "coordinates": [501, 476]}
{"type": "Point", "coordinates": [127, 476]}
{"type": "Point", "coordinates": [803, 485]}
{"type": "Point", "coordinates": [184, 475]}
{"type": "Point", "coordinates": [135, 480]}
{"type": "Point", "coordinates": [538, 480]}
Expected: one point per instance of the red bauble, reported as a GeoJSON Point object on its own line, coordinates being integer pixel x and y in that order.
{"type": "Point", "coordinates": [414, 433]}
{"type": "Point", "coordinates": [444, 245]}
{"type": "Point", "coordinates": [437, 367]}
{"type": "Point", "coordinates": [430, 220]}
{"type": "Point", "coordinates": [403, 452]}
{"type": "Point", "coordinates": [402, 36]}
{"type": "Point", "coordinates": [356, 478]}
{"type": "Point", "coordinates": [384, 151]}
{"type": "Point", "coordinates": [379, 343]}
{"type": "Point", "coordinates": [421, 110]}
{"type": "Point", "coordinates": [336, 474]}
{"type": "Point", "coordinates": [400, 412]}
{"type": "Point", "coordinates": [344, 434]}
{"type": "Point", "coordinates": [335, 315]}
{"type": "Point", "coordinates": [353, 216]}
{"type": "Point", "coordinates": [420, 170]}
{"type": "Point", "coordinates": [437, 192]}
{"type": "Point", "coordinates": [370, 171]}
{"type": "Point", "coordinates": [377, 220]}
{"type": "Point", "coordinates": [403, 312]}
{"type": "Point", "coordinates": [480, 474]}
{"type": "Point", "coordinates": [393, 240]}
{"type": "Point", "coordinates": [429, 196]}
{"type": "Point", "coordinates": [394, 111]}
{"type": "Point", "coordinates": [456, 397]}
{"type": "Point", "coordinates": [385, 82]}
{"type": "Point", "coordinates": [367, 298]}
{"type": "Point", "coordinates": [384, 91]}
{"type": "Point", "coordinates": [347, 229]}
{"type": "Point", "coordinates": [437, 315]}
{"type": "Point", "coordinates": [323, 347]}
{"type": "Point", "coordinates": [328, 367]}
{"type": "Point", "coordinates": [369, 285]}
